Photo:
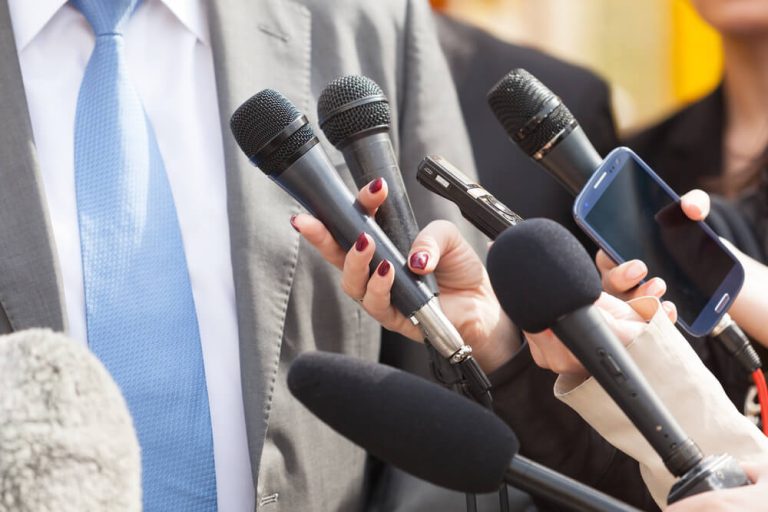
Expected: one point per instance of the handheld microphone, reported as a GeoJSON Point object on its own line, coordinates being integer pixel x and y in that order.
{"type": "Point", "coordinates": [544, 260]}
{"type": "Point", "coordinates": [542, 126]}
{"type": "Point", "coordinates": [67, 441]}
{"type": "Point", "coordinates": [428, 431]}
{"type": "Point", "coordinates": [277, 138]}
{"type": "Point", "coordinates": [354, 114]}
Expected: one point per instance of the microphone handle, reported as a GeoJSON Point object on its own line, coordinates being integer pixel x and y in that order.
{"type": "Point", "coordinates": [370, 157]}
{"type": "Point", "coordinates": [313, 181]}
{"type": "Point", "coordinates": [571, 161]}
{"type": "Point", "coordinates": [586, 334]}
{"type": "Point", "coordinates": [559, 489]}
{"type": "Point", "coordinates": [715, 472]}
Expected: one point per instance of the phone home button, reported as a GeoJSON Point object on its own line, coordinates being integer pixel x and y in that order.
{"type": "Point", "coordinates": [723, 301]}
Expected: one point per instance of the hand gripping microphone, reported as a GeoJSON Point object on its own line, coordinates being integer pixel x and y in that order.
{"type": "Point", "coordinates": [67, 441]}
{"type": "Point", "coordinates": [544, 278]}
{"type": "Point", "coordinates": [428, 431]}
{"type": "Point", "coordinates": [277, 138]}
{"type": "Point", "coordinates": [542, 126]}
{"type": "Point", "coordinates": [355, 116]}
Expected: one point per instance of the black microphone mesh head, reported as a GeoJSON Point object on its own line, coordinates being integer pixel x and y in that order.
{"type": "Point", "coordinates": [339, 127]}
{"type": "Point", "coordinates": [540, 272]}
{"type": "Point", "coordinates": [261, 118]}
{"type": "Point", "coordinates": [406, 421]}
{"type": "Point", "coordinates": [516, 99]}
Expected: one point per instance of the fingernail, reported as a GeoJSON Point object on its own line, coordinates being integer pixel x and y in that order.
{"type": "Point", "coordinates": [419, 260]}
{"type": "Point", "coordinates": [383, 268]}
{"type": "Point", "coordinates": [695, 210]}
{"type": "Point", "coordinates": [635, 270]}
{"type": "Point", "coordinates": [670, 310]}
{"type": "Point", "coordinates": [657, 287]}
{"type": "Point", "coordinates": [361, 243]}
{"type": "Point", "coordinates": [375, 185]}
{"type": "Point", "coordinates": [293, 223]}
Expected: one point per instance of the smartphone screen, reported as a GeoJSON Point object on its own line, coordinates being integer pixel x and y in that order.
{"type": "Point", "coordinates": [632, 215]}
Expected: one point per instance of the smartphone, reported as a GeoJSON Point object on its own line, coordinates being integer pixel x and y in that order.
{"type": "Point", "coordinates": [632, 214]}
{"type": "Point", "coordinates": [476, 204]}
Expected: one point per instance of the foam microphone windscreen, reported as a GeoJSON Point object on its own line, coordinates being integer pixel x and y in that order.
{"type": "Point", "coordinates": [540, 273]}
{"type": "Point", "coordinates": [407, 421]}
{"type": "Point", "coordinates": [67, 441]}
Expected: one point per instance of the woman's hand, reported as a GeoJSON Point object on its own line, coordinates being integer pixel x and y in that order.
{"type": "Point", "coordinates": [549, 352]}
{"type": "Point", "coordinates": [466, 295]}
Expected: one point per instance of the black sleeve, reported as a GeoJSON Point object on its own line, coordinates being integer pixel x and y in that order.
{"type": "Point", "coordinates": [553, 434]}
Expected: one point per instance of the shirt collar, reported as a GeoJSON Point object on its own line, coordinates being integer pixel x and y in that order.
{"type": "Point", "coordinates": [191, 13]}
{"type": "Point", "coordinates": [29, 17]}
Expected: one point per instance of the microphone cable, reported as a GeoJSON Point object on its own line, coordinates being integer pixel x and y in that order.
{"type": "Point", "coordinates": [737, 343]}
{"type": "Point", "coordinates": [762, 396]}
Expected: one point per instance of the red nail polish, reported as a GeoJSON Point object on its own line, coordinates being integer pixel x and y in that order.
{"type": "Point", "coordinates": [362, 242]}
{"type": "Point", "coordinates": [419, 260]}
{"type": "Point", "coordinates": [383, 268]}
{"type": "Point", "coordinates": [375, 185]}
{"type": "Point", "coordinates": [293, 223]}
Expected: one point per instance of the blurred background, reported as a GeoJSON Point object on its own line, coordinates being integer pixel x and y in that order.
{"type": "Point", "coordinates": [658, 55]}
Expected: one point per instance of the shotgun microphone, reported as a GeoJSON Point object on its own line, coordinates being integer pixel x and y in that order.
{"type": "Point", "coordinates": [428, 431]}
{"type": "Point", "coordinates": [67, 441]}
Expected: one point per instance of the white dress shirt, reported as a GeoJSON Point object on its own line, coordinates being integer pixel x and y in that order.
{"type": "Point", "coordinates": [171, 65]}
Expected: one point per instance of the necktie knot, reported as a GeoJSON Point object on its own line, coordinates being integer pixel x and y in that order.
{"type": "Point", "coordinates": [106, 16]}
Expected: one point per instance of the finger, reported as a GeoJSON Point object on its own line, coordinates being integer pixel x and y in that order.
{"type": "Point", "coordinates": [553, 355]}
{"type": "Point", "coordinates": [355, 272]}
{"type": "Point", "coordinates": [695, 204]}
{"type": "Point", "coordinates": [671, 310]}
{"type": "Point", "coordinates": [433, 241]}
{"type": "Point", "coordinates": [624, 277]}
{"type": "Point", "coordinates": [655, 287]}
{"type": "Point", "coordinates": [373, 195]}
{"type": "Point", "coordinates": [536, 354]}
{"type": "Point", "coordinates": [534, 341]}
{"type": "Point", "coordinates": [626, 330]}
{"type": "Point", "coordinates": [756, 470]}
{"type": "Point", "coordinates": [377, 302]}
{"type": "Point", "coordinates": [617, 308]}
{"type": "Point", "coordinates": [604, 262]}
{"type": "Point", "coordinates": [320, 238]}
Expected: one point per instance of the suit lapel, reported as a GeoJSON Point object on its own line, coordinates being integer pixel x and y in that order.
{"type": "Point", "coordinates": [257, 45]}
{"type": "Point", "coordinates": [29, 280]}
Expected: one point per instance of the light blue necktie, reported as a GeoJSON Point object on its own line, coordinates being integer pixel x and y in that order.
{"type": "Point", "coordinates": [139, 307]}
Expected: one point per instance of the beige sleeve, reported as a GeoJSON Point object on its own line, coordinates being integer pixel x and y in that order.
{"type": "Point", "coordinates": [693, 395]}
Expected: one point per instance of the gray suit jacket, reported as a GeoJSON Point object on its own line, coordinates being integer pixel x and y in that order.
{"type": "Point", "coordinates": [288, 299]}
